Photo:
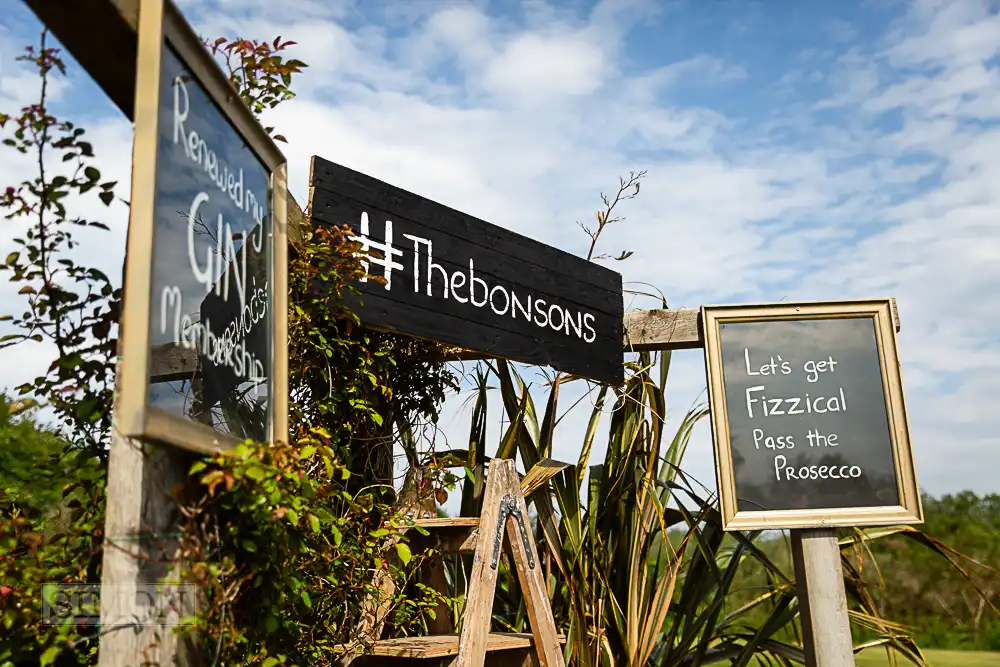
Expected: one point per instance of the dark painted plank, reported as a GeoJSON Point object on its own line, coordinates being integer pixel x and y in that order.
{"type": "Point", "coordinates": [490, 263]}
{"type": "Point", "coordinates": [595, 362]}
{"type": "Point", "coordinates": [100, 38]}
{"type": "Point", "coordinates": [519, 283]}
{"type": "Point", "coordinates": [326, 175]}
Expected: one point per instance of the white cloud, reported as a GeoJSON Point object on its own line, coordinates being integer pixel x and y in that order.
{"type": "Point", "coordinates": [885, 186]}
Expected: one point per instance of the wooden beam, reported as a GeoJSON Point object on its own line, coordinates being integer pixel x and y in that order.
{"type": "Point", "coordinates": [661, 330]}
{"type": "Point", "coordinates": [101, 36]}
{"type": "Point", "coordinates": [643, 330]}
{"type": "Point", "coordinates": [676, 329]}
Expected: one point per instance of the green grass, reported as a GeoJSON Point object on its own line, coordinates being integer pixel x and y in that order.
{"type": "Point", "coordinates": [935, 658]}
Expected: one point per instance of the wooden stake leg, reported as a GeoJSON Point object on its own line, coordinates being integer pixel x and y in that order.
{"type": "Point", "coordinates": [483, 577]}
{"type": "Point", "coordinates": [532, 579]}
{"type": "Point", "coordinates": [819, 579]}
{"type": "Point", "coordinates": [139, 552]}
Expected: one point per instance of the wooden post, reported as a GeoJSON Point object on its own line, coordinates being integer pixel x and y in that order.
{"type": "Point", "coordinates": [826, 628]}
{"type": "Point", "coordinates": [141, 522]}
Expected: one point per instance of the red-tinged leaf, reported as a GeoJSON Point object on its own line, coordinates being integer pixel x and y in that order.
{"type": "Point", "coordinates": [27, 289]}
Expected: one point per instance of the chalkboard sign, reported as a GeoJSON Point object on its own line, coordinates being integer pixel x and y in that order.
{"type": "Point", "coordinates": [448, 276]}
{"type": "Point", "coordinates": [206, 266]}
{"type": "Point", "coordinates": [808, 415]}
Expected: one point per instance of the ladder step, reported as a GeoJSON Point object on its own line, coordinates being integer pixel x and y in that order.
{"type": "Point", "coordinates": [443, 646]}
{"type": "Point", "coordinates": [447, 534]}
{"type": "Point", "coordinates": [445, 522]}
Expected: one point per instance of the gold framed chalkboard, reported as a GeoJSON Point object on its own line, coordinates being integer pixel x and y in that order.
{"type": "Point", "coordinates": [206, 268]}
{"type": "Point", "coordinates": [809, 419]}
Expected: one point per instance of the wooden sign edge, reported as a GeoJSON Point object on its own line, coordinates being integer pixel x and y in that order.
{"type": "Point", "coordinates": [910, 509]}
{"type": "Point", "coordinates": [160, 24]}
{"type": "Point", "coordinates": [610, 274]}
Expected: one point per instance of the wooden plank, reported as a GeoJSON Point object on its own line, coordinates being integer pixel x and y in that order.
{"type": "Point", "coordinates": [448, 522]}
{"type": "Point", "coordinates": [441, 646]}
{"type": "Point", "coordinates": [572, 356]}
{"type": "Point", "coordinates": [483, 577]}
{"type": "Point", "coordinates": [666, 329]}
{"type": "Point", "coordinates": [819, 579]}
{"type": "Point", "coordinates": [662, 330]}
{"type": "Point", "coordinates": [447, 534]}
{"type": "Point", "coordinates": [504, 294]}
{"type": "Point", "coordinates": [101, 36]}
{"type": "Point", "coordinates": [526, 273]}
{"type": "Point", "coordinates": [140, 512]}
{"type": "Point", "coordinates": [328, 176]}
{"type": "Point", "coordinates": [532, 580]}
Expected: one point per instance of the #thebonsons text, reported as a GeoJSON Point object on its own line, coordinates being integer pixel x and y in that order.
{"type": "Point", "coordinates": [466, 288]}
{"type": "Point", "coordinates": [759, 406]}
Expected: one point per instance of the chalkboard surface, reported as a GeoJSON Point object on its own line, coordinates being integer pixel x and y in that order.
{"type": "Point", "coordinates": [210, 274]}
{"type": "Point", "coordinates": [460, 280]}
{"type": "Point", "coordinates": [806, 408]}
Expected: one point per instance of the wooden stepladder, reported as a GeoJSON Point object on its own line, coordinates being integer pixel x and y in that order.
{"type": "Point", "coordinates": [502, 524]}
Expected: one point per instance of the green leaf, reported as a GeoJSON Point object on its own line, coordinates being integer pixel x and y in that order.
{"type": "Point", "coordinates": [314, 523]}
{"type": "Point", "coordinates": [293, 516]}
{"type": "Point", "coordinates": [92, 173]}
{"type": "Point", "coordinates": [248, 545]}
{"type": "Point", "coordinates": [270, 662]}
{"type": "Point", "coordinates": [107, 197]}
{"type": "Point", "coordinates": [197, 467]}
{"type": "Point", "coordinates": [307, 452]}
{"type": "Point", "coordinates": [305, 599]}
{"type": "Point", "coordinates": [257, 474]}
{"type": "Point", "coordinates": [12, 257]}
{"type": "Point", "coordinates": [49, 655]}
{"type": "Point", "coordinates": [403, 551]}
{"type": "Point", "coordinates": [271, 624]}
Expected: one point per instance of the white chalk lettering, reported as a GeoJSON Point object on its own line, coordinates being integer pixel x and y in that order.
{"type": "Point", "coordinates": [814, 369]}
{"type": "Point", "coordinates": [775, 407]}
{"type": "Point", "coordinates": [813, 471]}
{"type": "Point", "coordinates": [197, 150]}
{"type": "Point", "coordinates": [430, 272]}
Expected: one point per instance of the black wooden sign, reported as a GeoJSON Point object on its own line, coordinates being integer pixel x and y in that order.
{"type": "Point", "coordinates": [454, 278]}
{"type": "Point", "coordinates": [810, 417]}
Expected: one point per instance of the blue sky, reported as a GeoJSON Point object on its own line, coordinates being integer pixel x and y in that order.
{"type": "Point", "coordinates": [795, 150]}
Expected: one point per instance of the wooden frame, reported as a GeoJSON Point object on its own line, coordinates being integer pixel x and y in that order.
{"type": "Point", "coordinates": [910, 508]}
{"type": "Point", "coordinates": [161, 24]}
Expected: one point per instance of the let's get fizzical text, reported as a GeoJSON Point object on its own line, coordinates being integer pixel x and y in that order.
{"type": "Point", "coordinates": [464, 287]}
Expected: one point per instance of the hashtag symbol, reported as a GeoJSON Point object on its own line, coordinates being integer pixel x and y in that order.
{"type": "Point", "coordinates": [367, 245]}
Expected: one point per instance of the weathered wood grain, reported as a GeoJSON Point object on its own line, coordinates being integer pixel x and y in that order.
{"type": "Point", "coordinates": [439, 646]}
{"type": "Point", "coordinates": [474, 641]}
{"type": "Point", "coordinates": [139, 549]}
{"type": "Point", "coordinates": [819, 580]}
{"type": "Point", "coordinates": [661, 329]}
{"type": "Point", "coordinates": [534, 586]}
{"type": "Point", "coordinates": [437, 302]}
